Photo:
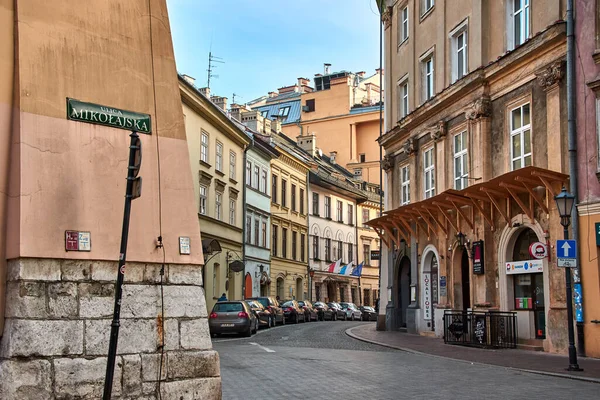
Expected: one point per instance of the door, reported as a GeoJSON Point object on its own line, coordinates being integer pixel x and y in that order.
{"type": "Point", "coordinates": [248, 286]}
{"type": "Point", "coordinates": [404, 289]}
{"type": "Point", "coordinates": [465, 280]}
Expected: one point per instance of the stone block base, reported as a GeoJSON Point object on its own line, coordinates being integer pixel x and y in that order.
{"type": "Point", "coordinates": [58, 319]}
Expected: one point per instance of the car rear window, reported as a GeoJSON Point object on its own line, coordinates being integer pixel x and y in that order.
{"type": "Point", "coordinates": [264, 302]}
{"type": "Point", "coordinates": [301, 303]}
{"type": "Point", "coordinates": [228, 307]}
{"type": "Point", "coordinates": [288, 304]}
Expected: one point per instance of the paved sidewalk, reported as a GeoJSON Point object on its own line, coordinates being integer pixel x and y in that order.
{"type": "Point", "coordinates": [531, 361]}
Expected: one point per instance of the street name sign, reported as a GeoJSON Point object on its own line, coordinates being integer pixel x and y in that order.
{"type": "Point", "coordinates": [566, 253]}
{"type": "Point", "coordinates": [108, 116]}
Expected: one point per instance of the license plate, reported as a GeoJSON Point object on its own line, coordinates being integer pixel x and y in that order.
{"type": "Point", "coordinates": [226, 325]}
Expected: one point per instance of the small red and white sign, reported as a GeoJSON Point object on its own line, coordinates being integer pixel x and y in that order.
{"type": "Point", "coordinates": [538, 250]}
{"type": "Point", "coordinates": [78, 241]}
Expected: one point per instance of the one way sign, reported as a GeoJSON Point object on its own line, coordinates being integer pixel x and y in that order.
{"type": "Point", "coordinates": [566, 253]}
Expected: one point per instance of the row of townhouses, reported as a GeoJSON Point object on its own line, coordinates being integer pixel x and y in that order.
{"type": "Point", "coordinates": [278, 216]}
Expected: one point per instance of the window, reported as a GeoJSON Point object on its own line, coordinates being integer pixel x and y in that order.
{"type": "Point", "coordinates": [340, 249]}
{"type": "Point", "coordinates": [327, 249]}
{"type": "Point", "coordinates": [405, 184]}
{"type": "Point", "coordinates": [284, 242]}
{"type": "Point", "coordinates": [232, 212]}
{"type": "Point", "coordinates": [461, 170]}
{"type": "Point", "coordinates": [428, 78]}
{"type": "Point", "coordinates": [403, 100]}
{"type": "Point", "coordinates": [274, 188]}
{"type": "Point", "coordinates": [203, 200]}
{"type": "Point", "coordinates": [301, 201]}
{"type": "Point", "coordinates": [263, 181]}
{"type": "Point", "coordinates": [315, 246]}
{"type": "Point", "coordinates": [231, 165]}
{"type": "Point", "coordinates": [204, 148]}
{"type": "Point", "coordinates": [219, 157]}
{"type": "Point", "coordinates": [294, 245]}
{"type": "Point", "coordinates": [357, 172]}
{"type": "Point", "coordinates": [264, 113]}
{"type": "Point", "coordinates": [327, 207]}
{"type": "Point", "coordinates": [350, 214]}
{"type": "Point", "coordinates": [362, 158]}
{"type": "Point", "coordinates": [367, 254]}
{"type": "Point", "coordinates": [340, 211]}
{"type": "Point", "coordinates": [248, 229]}
{"type": "Point", "coordinates": [302, 247]}
{"type": "Point", "coordinates": [518, 23]}
{"type": "Point", "coordinates": [255, 178]}
{"type": "Point", "coordinates": [520, 137]}
{"type": "Point", "coordinates": [284, 111]}
{"type": "Point", "coordinates": [310, 105]}
{"type": "Point", "coordinates": [218, 205]}
{"type": "Point", "coordinates": [426, 5]}
{"type": "Point", "coordinates": [316, 204]}
{"type": "Point", "coordinates": [293, 197]}
{"type": "Point", "coordinates": [365, 215]}
{"type": "Point", "coordinates": [460, 55]}
{"type": "Point", "coordinates": [350, 253]}
{"type": "Point", "coordinates": [283, 192]}
{"type": "Point", "coordinates": [256, 231]}
{"type": "Point", "coordinates": [274, 240]}
{"type": "Point", "coordinates": [403, 26]}
{"type": "Point", "coordinates": [264, 235]}
{"type": "Point", "coordinates": [248, 173]}
{"type": "Point", "coordinates": [429, 170]}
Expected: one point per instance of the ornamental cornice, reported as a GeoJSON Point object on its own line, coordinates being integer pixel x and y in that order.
{"type": "Point", "coordinates": [551, 75]}
{"type": "Point", "coordinates": [438, 131]}
{"type": "Point", "coordinates": [387, 163]}
{"type": "Point", "coordinates": [386, 17]}
{"type": "Point", "coordinates": [480, 108]}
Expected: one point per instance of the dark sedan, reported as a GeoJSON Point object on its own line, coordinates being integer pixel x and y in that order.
{"type": "Point", "coordinates": [232, 317]}
{"type": "Point", "coordinates": [293, 312]}
{"type": "Point", "coordinates": [271, 304]}
{"type": "Point", "coordinates": [309, 311]}
{"type": "Point", "coordinates": [368, 313]}
{"type": "Point", "coordinates": [265, 319]}
{"type": "Point", "coordinates": [339, 313]}
{"type": "Point", "coordinates": [324, 312]}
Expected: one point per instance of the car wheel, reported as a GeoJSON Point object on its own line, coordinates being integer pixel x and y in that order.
{"type": "Point", "coordinates": [352, 317]}
{"type": "Point", "coordinates": [334, 317]}
{"type": "Point", "coordinates": [272, 322]}
{"type": "Point", "coordinates": [283, 320]}
{"type": "Point", "coordinates": [248, 332]}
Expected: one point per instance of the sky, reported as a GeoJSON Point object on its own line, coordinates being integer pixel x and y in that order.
{"type": "Point", "coordinates": [268, 44]}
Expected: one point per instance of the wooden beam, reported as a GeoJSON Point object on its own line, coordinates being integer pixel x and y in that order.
{"type": "Point", "coordinates": [525, 209]}
{"type": "Point", "coordinates": [428, 222]}
{"type": "Point", "coordinates": [463, 215]}
{"type": "Point", "coordinates": [495, 202]}
{"type": "Point", "coordinates": [439, 224]}
{"type": "Point", "coordinates": [381, 236]}
{"type": "Point", "coordinates": [482, 211]}
{"type": "Point", "coordinates": [389, 231]}
{"type": "Point", "coordinates": [445, 213]}
{"type": "Point", "coordinates": [478, 197]}
{"type": "Point", "coordinates": [493, 191]}
{"type": "Point", "coordinates": [400, 231]}
{"type": "Point", "coordinates": [548, 186]}
{"type": "Point", "coordinates": [407, 226]}
{"type": "Point", "coordinates": [536, 198]}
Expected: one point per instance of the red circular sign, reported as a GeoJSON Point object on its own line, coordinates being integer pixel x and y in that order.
{"type": "Point", "coordinates": [538, 250]}
{"type": "Point", "coordinates": [122, 269]}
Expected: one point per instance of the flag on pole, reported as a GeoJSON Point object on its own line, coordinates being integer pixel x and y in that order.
{"type": "Point", "coordinates": [358, 270]}
{"type": "Point", "coordinates": [335, 267]}
{"type": "Point", "coordinates": [347, 269]}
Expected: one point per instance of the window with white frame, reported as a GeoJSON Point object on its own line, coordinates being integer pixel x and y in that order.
{"type": "Point", "coordinates": [203, 200]}
{"type": "Point", "coordinates": [218, 205]}
{"type": "Point", "coordinates": [365, 216]}
{"type": "Point", "coordinates": [264, 235]}
{"type": "Point", "coordinates": [429, 172]}
{"type": "Point", "coordinates": [248, 173]}
{"type": "Point", "coordinates": [256, 177]}
{"type": "Point", "coordinates": [520, 137]}
{"type": "Point", "coordinates": [403, 25]}
{"type": "Point", "coordinates": [340, 211]}
{"type": "Point", "coordinates": [315, 247]}
{"type": "Point", "coordinates": [256, 232]}
{"type": "Point", "coordinates": [518, 18]}
{"type": "Point", "coordinates": [461, 170]}
{"type": "Point", "coordinates": [350, 214]}
{"type": "Point", "coordinates": [248, 229]}
{"type": "Point", "coordinates": [327, 207]}
{"type": "Point", "coordinates": [426, 5]}
{"type": "Point", "coordinates": [460, 54]}
{"type": "Point", "coordinates": [232, 212]}
{"type": "Point", "coordinates": [232, 165]}
{"type": "Point", "coordinates": [405, 184]}
{"type": "Point", "coordinates": [263, 181]}
{"type": "Point", "coordinates": [427, 65]}
{"type": "Point", "coordinates": [327, 249]}
{"type": "Point", "coordinates": [219, 157]}
{"type": "Point", "coordinates": [204, 147]}
{"type": "Point", "coordinates": [403, 97]}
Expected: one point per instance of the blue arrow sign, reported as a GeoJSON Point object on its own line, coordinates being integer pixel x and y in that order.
{"type": "Point", "coordinates": [566, 248]}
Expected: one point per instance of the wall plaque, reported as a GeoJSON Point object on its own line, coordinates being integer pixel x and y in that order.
{"type": "Point", "coordinates": [108, 116]}
{"type": "Point", "coordinates": [478, 258]}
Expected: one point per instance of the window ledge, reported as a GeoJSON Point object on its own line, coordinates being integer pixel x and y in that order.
{"type": "Point", "coordinates": [220, 173]}
{"type": "Point", "coordinates": [402, 43]}
{"type": "Point", "coordinates": [596, 56]}
{"type": "Point", "coordinates": [204, 163]}
{"type": "Point", "coordinates": [294, 212]}
{"type": "Point", "coordinates": [426, 14]}
{"type": "Point", "coordinates": [232, 180]}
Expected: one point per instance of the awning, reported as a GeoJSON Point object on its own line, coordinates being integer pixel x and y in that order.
{"type": "Point", "coordinates": [449, 209]}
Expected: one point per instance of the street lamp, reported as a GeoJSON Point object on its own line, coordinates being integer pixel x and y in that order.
{"type": "Point", "coordinates": [564, 204]}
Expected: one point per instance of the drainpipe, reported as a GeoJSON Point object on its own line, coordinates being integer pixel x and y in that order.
{"type": "Point", "coordinates": [308, 195]}
{"type": "Point", "coordinates": [572, 143]}
{"type": "Point", "coordinates": [246, 147]}
{"type": "Point", "coordinates": [380, 134]}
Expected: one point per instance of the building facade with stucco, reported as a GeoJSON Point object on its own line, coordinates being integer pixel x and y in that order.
{"type": "Point", "coordinates": [66, 113]}
{"type": "Point", "coordinates": [476, 149]}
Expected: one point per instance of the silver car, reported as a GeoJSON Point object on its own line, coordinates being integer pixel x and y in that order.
{"type": "Point", "coordinates": [232, 317]}
{"type": "Point", "coordinates": [351, 311]}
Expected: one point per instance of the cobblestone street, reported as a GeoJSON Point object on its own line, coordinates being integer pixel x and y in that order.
{"type": "Point", "coordinates": [319, 361]}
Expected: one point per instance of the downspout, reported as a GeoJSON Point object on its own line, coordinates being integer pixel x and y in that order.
{"type": "Point", "coordinates": [246, 147]}
{"type": "Point", "coordinates": [572, 143]}
{"type": "Point", "coordinates": [310, 294]}
{"type": "Point", "coordinates": [380, 134]}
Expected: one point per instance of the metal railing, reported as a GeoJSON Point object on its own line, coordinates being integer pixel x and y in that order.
{"type": "Point", "coordinates": [486, 329]}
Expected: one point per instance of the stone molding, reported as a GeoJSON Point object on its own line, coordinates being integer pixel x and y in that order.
{"type": "Point", "coordinates": [551, 75]}
{"type": "Point", "coordinates": [438, 131]}
{"type": "Point", "coordinates": [480, 108]}
{"type": "Point", "coordinates": [409, 146]}
{"type": "Point", "coordinates": [387, 163]}
{"type": "Point", "coordinates": [386, 17]}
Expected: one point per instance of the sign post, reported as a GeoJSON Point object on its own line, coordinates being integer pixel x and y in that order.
{"type": "Point", "coordinates": [566, 253]}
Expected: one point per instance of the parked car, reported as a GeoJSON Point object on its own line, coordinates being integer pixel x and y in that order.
{"type": "Point", "coordinates": [324, 312]}
{"type": "Point", "coordinates": [271, 304]}
{"type": "Point", "coordinates": [339, 313]}
{"type": "Point", "coordinates": [368, 313]}
{"type": "Point", "coordinates": [352, 312]}
{"type": "Point", "coordinates": [293, 312]}
{"type": "Point", "coordinates": [232, 317]}
{"type": "Point", "coordinates": [309, 311]}
{"type": "Point", "coordinates": [265, 319]}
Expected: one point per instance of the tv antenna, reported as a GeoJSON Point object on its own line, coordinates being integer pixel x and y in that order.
{"type": "Point", "coordinates": [212, 59]}
{"type": "Point", "coordinates": [234, 96]}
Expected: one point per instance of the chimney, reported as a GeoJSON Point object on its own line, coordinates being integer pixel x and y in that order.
{"type": "Point", "coordinates": [266, 125]}
{"type": "Point", "coordinates": [379, 71]}
{"type": "Point", "coordinates": [205, 91]}
{"type": "Point", "coordinates": [276, 124]}
{"type": "Point", "coordinates": [361, 73]}
{"type": "Point", "coordinates": [253, 120]}
{"type": "Point", "coordinates": [308, 143]}
{"type": "Point", "coordinates": [303, 81]}
{"type": "Point", "coordinates": [332, 156]}
{"type": "Point", "coordinates": [220, 102]}
{"type": "Point", "coordinates": [189, 79]}
{"type": "Point", "coordinates": [326, 68]}
{"type": "Point", "coordinates": [272, 94]}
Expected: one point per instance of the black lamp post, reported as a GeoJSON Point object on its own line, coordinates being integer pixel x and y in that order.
{"type": "Point", "coordinates": [564, 203]}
